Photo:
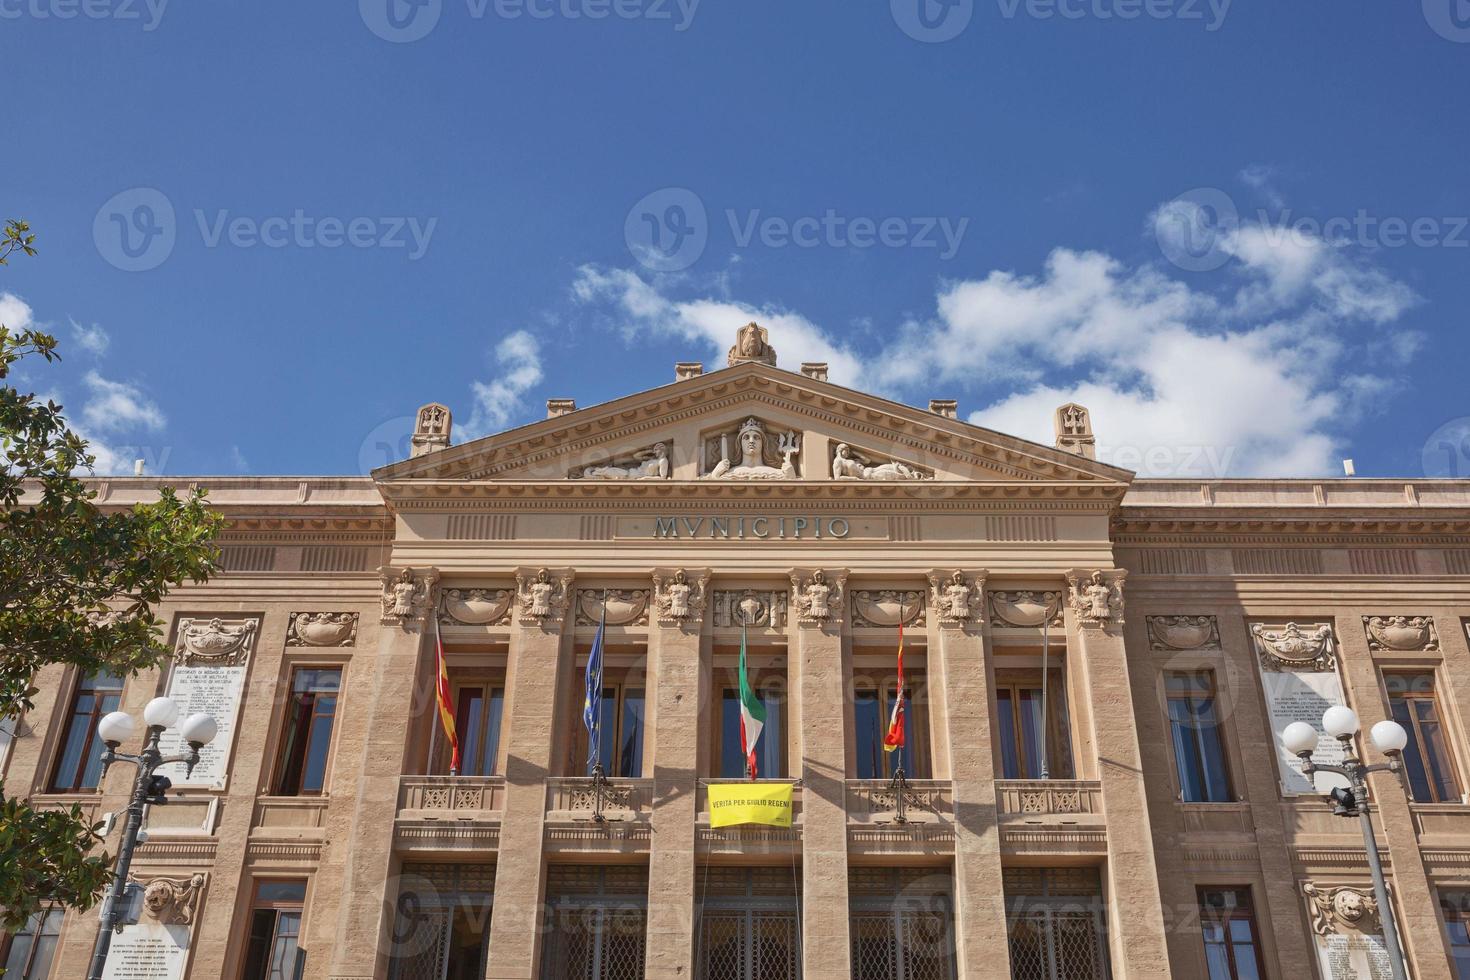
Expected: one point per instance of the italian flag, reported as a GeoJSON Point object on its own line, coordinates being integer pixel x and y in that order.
{"type": "Point", "coordinates": [894, 739]}
{"type": "Point", "coordinates": [752, 714]}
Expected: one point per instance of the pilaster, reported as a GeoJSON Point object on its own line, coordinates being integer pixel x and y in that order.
{"type": "Point", "coordinates": [680, 681]}
{"type": "Point", "coordinates": [961, 676]}
{"type": "Point", "coordinates": [538, 671]}
{"type": "Point", "coordinates": [1094, 621]}
{"type": "Point", "coordinates": [818, 665]}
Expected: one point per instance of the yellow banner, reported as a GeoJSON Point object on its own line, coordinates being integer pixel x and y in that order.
{"type": "Point", "coordinates": [737, 803]}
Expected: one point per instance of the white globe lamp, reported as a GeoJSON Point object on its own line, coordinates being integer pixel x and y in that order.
{"type": "Point", "coordinates": [1299, 738]}
{"type": "Point", "coordinates": [116, 727]}
{"type": "Point", "coordinates": [1389, 737]}
{"type": "Point", "coordinates": [1340, 721]}
{"type": "Point", "coordinates": [161, 712]}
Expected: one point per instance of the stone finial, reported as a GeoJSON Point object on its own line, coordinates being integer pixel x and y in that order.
{"type": "Point", "coordinates": [948, 407]}
{"type": "Point", "coordinates": [431, 429]}
{"type": "Point", "coordinates": [816, 370]}
{"type": "Point", "coordinates": [1074, 431]}
{"type": "Point", "coordinates": [752, 343]}
{"type": "Point", "coordinates": [684, 370]}
{"type": "Point", "coordinates": [557, 407]}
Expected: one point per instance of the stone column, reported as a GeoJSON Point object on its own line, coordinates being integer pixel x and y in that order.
{"type": "Point", "coordinates": [1418, 919]}
{"type": "Point", "coordinates": [817, 661]}
{"type": "Point", "coordinates": [962, 677]}
{"type": "Point", "coordinates": [539, 669]}
{"type": "Point", "coordinates": [1136, 922]}
{"type": "Point", "coordinates": [680, 680]}
{"type": "Point", "coordinates": [361, 950]}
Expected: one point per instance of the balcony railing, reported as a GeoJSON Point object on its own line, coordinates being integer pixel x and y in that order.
{"type": "Point", "coordinates": [876, 801]}
{"type": "Point", "coordinates": [575, 798]}
{"type": "Point", "coordinates": [1040, 798]}
{"type": "Point", "coordinates": [450, 797]}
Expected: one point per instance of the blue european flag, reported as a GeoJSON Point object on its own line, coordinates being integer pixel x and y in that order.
{"type": "Point", "coordinates": [592, 701]}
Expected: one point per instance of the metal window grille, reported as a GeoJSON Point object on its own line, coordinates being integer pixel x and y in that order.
{"type": "Point", "coordinates": [597, 917]}
{"type": "Point", "coordinates": [902, 924]}
{"type": "Point", "coordinates": [1057, 924]}
{"type": "Point", "coordinates": [429, 895]}
{"type": "Point", "coordinates": [750, 925]}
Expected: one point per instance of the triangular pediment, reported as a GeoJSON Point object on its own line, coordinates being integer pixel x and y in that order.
{"type": "Point", "coordinates": [770, 424]}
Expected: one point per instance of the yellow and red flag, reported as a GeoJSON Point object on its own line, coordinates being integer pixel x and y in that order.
{"type": "Point", "coordinates": [894, 738]}
{"type": "Point", "coordinates": [444, 697]}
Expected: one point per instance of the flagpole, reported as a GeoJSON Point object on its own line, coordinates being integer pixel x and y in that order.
{"type": "Point", "coordinates": [1045, 670]}
{"type": "Point", "coordinates": [594, 700]}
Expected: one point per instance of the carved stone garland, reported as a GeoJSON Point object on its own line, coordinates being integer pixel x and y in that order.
{"type": "Point", "coordinates": [322, 629]}
{"type": "Point", "coordinates": [1025, 609]}
{"type": "Point", "coordinates": [1402, 633]}
{"type": "Point", "coordinates": [1290, 648]}
{"type": "Point", "coordinates": [887, 608]}
{"type": "Point", "coordinates": [214, 642]}
{"type": "Point", "coordinates": [1183, 633]}
{"type": "Point", "coordinates": [475, 607]}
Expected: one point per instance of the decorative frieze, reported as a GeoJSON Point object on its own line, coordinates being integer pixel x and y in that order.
{"type": "Point", "coordinates": [1025, 609]}
{"type": "Point", "coordinates": [475, 607]}
{"type": "Point", "coordinates": [818, 595]}
{"type": "Point", "coordinates": [624, 607]}
{"type": "Point", "coordinates": [1401, 633]}
{"type": "Point", "coordinates": [649, 463]}
{"type": "Point", "coordinates": [1097, 600]}
{"type": "Point", "coordinates": [680, 598]}
{"type": "Point", "coordinates": [764, 608]}
{"type": "Point", "coordinates": [887, 608]}
{"type": "Point", "coordinates": [406, 593]}
{"type": "Point", "coordinates": [543, 596]}
{"type": "Point", "coordinates": [1183, 633]}
{"type": "Point", "coordinates": [322, 629]}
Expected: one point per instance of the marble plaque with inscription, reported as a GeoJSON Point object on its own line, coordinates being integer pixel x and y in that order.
{"type": "Point", "coordinates": [1353, 956]}
{"type": "Point", "coordinates": [215, 690]}
{"type": "Point", "coordinates": [148, 951]}
{"type": "Point", "coordinates": [1302, 696]}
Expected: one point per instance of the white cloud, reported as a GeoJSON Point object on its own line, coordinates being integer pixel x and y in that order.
{"type": "Point", "coordinates": [92, 339]}
{"type": "Point", "coordinates": [518, 358]}
{"type": "Point", "coordinates": [15, 313]}
{"type": "Point", "coordinates": [116, 406]}
{"type": "Point", "coordinates": [1244, 373]}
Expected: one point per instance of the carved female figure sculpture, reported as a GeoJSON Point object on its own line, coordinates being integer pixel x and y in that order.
{"type": "Point", "coordinates": [404, 593]}
{"type": "Point", "coordinates": [653, 465]}
{"type": "Point", "coordinates": [848, 465]}
{"type": "Point", "coordinates": [752, 456]}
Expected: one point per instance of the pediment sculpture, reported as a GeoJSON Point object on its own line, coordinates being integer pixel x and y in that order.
{"type": "Point", "coordinates": [1291, 648]}
{"type": "Point", "coordinates": [757, 458]}
{"type": "Point", "coordinates": [752, 343]}
{"type": "Point", "coordinates": [1098, 600]}
{"type": "Point", "coordinates": [543, 598]}
{"type": "Point", "coordinates": [816, 598]}
{"type": "Point", "coordinates": [679, 599]}
{"type": "Point", "coordinates": [849, 464]}
{"type": "Point", "coordinates": [213, 642]}
{"type": "Point", "coordinates": [1345, 905]}
{"type": "Point", "coordinates": [406, 594]}
{"type": "Point", "coordinates": [954, 598]}
{"type": "Point", "coordinates": [1403, 633]}
{"type": "Point", "coordinates": [651, 463]}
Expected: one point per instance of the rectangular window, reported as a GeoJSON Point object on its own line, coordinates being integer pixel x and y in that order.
{"type": "Point", "coordinates": [770, 749]}
{"type": "Point", "coordinates": [307, 737]}
{"type": "Point", "coordinates": [478, 713]}
{"type": "Point", "coordinates": [623, 727]}
{"type": "Point", "coordinates": [1427, 760]}
{"type": "Point", "coordinates": [271, 951]}
{"type": "Point", "coordinates": [1019, 721]}
{"type": "Point", "coordinates": [80, 764]}
{"type": "Point", "coordinates": [31, 949]}
{"type": "Point", "coordinates": [596, 921]}
{"type": "Point", "coordinates": [1232, 947]}
{"type": "Point", "coordinates": [1194, 729]}
{"type": "Point", "coordinates": [901, 923]}
{"type": "Point", "coordinates": [1456, 908]}
{"type": "Point", "coordinates": [1056, 921]}
{"type": "Point", "coordinates": [872, 710]}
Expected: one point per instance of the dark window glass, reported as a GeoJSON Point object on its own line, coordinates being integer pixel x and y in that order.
{"type": "Point", "coordinates": [1194, 728]}
{"type": "Point", "coordinates": [1456, 908]}
{"type": "Point", "coordinates": [1232, 950]}
{"type": "Point", "coordinates": [310, 713]}
{"type": "Point", "coordinates": [768, 750]}
{"type": "Point", "coordinates": [32, 948]}
{"type": "Point", "coordinates": [1427, 760]}
{"type": "Point", "coordinates": [477, 722]}
{"type": "Point", "coordinates": [271, 951]}
{"type": "Point", "coordinates": [871, 714]}
{"type": "Point", "coordinates": [80, 765]}
{"type": "Point", "coordinates": [1019, 718]}
{"type": "Point", "coordinates": [620, 742]}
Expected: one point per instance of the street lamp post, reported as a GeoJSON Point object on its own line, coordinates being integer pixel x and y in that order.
{"type": "Point", "coordinates": [1341, 722]}
{"type": "Point", "coordinates": [198, 731]}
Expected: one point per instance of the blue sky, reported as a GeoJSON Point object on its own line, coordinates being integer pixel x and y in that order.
{"type": "Point", "coordinates": [1101, 199]}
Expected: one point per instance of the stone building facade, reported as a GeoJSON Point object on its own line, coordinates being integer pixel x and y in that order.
{"type": "Point", "coordinates": [1095, 665]}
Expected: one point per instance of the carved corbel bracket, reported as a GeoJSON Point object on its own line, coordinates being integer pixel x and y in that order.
{"type": "Point", "coordinates": [544, 595]}
{"type": "Point", "coordinates": [818, 595]}
{"type": "Point", "coordinates": [1096, 597]}
{"type": "Point", "coordinates": [407, 594]}
{"type": "Point", "coordinates": [680, 596]}
{"type": "Point", "coordinates": [957, 596]}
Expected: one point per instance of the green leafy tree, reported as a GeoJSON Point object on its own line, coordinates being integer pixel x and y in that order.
{"type": "Point", "coordinates": [78, 585]}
